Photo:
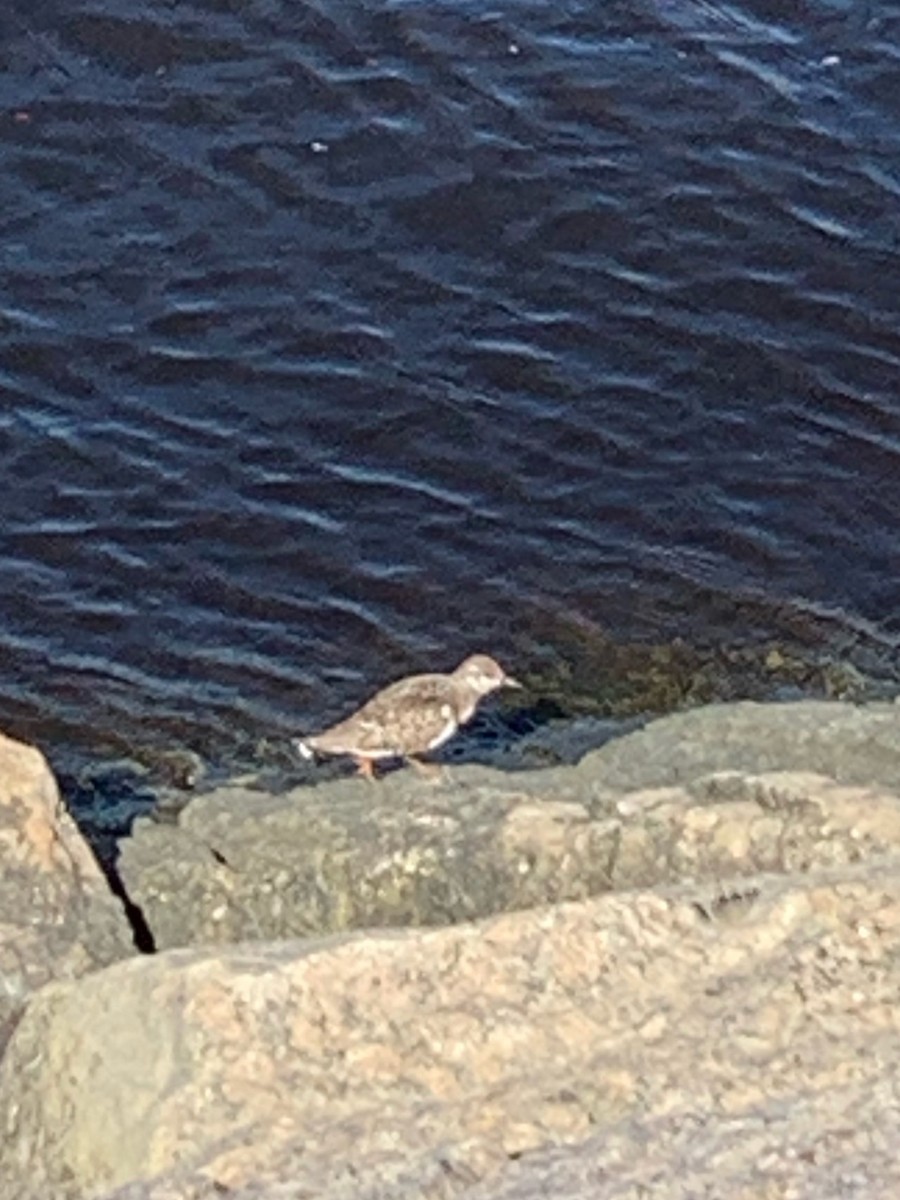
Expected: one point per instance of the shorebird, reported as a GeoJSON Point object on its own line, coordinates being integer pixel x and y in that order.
{"type": "Point", "coordinates": [410, 717]}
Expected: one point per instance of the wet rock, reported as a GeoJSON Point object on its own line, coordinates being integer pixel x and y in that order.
{"type": "Point", "coordinates": [739, 1045]}
{"type": "Point", "coordinates": [676, 800]}
{"type": "Point", "coordinates": [58, 918]}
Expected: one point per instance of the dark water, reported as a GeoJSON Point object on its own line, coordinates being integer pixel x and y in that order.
{"type": "Point", "coordinates": [338, 340]}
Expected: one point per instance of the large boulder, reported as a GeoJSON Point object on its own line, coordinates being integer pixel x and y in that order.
{"type": "Point", "coordinates": [739, 1040]}
{"type": "Point", "coordinates": [696, 991]}
{"type": "Point", "coordinates": [351, 855]}
{"type": "Point", "coordinates": [242, 864]}
{"type": "Point", "coordinates": [58, 918]}
{"type": "Point", "coordinates": [847, 742]}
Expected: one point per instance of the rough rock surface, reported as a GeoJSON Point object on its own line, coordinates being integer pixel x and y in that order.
{"type": "Point", "coordinates": [847, 742]}
{"type": "Point", "coordinates": [715, 1011]}
{"type": "Point", "coordinates": [242, 864]}
{"type": "Point", "coordinates": [741, 1041]}
{"type": "Point", "coordinates": [58, 919]}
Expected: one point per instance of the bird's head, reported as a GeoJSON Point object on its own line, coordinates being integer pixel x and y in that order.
{"type": "Point", "coordinates": [481, 674]}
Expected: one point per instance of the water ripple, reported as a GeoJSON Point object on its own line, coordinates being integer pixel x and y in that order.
{"type": "Point", "coordinates": [338, 343]}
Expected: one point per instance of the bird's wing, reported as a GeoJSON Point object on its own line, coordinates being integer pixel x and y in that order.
{"type": "Point", "coordinates": [407, 717]}
{"type": "Point", "coordinates": [421, 688]}
{"type": "Point", "coordinates": [356, 733]}
{"type": "Point", "coordinates": [417, 713]}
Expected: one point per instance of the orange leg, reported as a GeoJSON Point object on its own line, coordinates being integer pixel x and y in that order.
{"type": "Point", "coordinates": [365, 767]}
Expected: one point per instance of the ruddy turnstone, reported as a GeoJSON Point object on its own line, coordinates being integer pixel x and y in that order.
{"type": "Point", "coordinates": [410, 717]}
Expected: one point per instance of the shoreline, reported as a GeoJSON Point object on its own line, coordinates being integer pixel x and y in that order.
{"type": "Point", "coordinates": [567, 713]}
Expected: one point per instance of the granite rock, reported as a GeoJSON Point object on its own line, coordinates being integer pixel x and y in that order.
{"type": "Point", "coordinates": [672, 966]}
{"type": "Point", "coordinates": [243, 864]}
{"type": "Point", "coordinates": [732, 1042]}
{"type": "Point", "coordinates": [58, 918]}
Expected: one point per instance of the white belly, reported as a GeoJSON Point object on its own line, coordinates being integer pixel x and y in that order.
{"type": "Point", "coordinates": [448, 730]}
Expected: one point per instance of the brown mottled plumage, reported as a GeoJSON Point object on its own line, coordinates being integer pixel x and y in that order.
{"type": "Point", "coordinates": [412, 716]}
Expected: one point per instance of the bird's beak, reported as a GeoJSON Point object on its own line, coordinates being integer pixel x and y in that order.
{"type": "Point", "coordinates": [508, 681]}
